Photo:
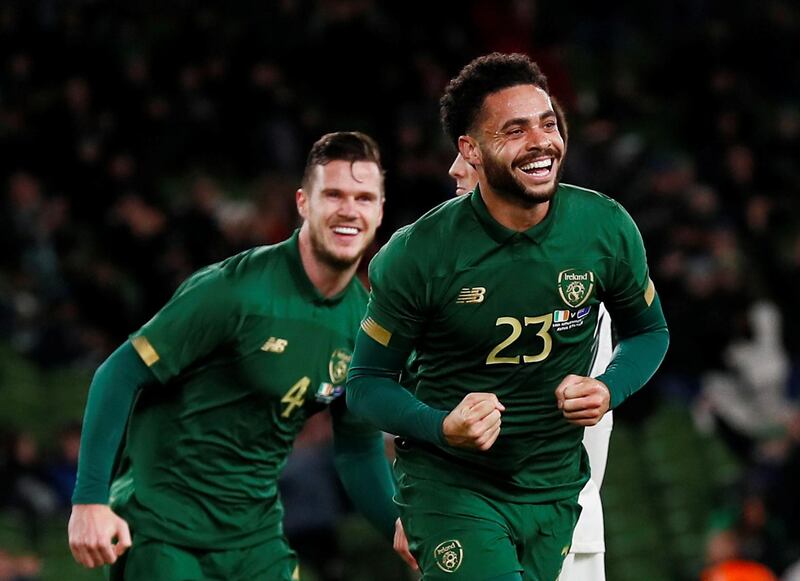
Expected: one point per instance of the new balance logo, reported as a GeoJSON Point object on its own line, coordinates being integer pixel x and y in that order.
{"type": "Point", "coordinates": [472, 295]}
{"type": "Point", "coordinates": [274, 345]}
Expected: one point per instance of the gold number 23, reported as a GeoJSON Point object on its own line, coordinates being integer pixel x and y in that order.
{"type": "Point", "coordinates": [516, 330]}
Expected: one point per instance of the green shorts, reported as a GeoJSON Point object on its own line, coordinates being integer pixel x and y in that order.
{"type": "Point", "coordinates": [455, 533]}
{"type": "Point", "coordinates": [153, 560]}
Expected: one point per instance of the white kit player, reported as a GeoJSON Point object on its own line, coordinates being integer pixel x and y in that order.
{"type": "Point", "coordinates": [585, 561]}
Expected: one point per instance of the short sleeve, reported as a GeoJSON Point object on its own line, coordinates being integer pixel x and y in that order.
{"type": "Point", "coordinates": [397, 302]}
{"type": "Point", "coordinates": [202, 314]}
{"type": "Point", "coordinates": [630, 291]}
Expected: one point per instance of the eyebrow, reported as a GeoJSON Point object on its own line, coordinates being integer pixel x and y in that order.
{"type": "Point", "coordinates": [526, 120]}
{"type": "Point", "coordinates": [342, 191]}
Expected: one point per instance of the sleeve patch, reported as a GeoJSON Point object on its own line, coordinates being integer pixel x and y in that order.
{"type": "Point", "coordinates": [145, 350]}
{"type": "Point", "coordinates": [650, 292]}
{"type": "Point", "coordinates": [376, 332]}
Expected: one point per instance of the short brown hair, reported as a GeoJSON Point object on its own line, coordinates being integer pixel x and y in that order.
{"type": "Point", "coordinates": [349, 146]}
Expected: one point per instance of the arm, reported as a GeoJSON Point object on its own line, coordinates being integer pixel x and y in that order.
{"type": "Point", "coordinates": [638, 355]}
{"type": "Point", "coordinates": [112, 393]}
{"type": "Point", "coordinates": [374, 393]}
{"type": "Point", "coordinates": [396, 317]}
{"type": "Point", "coordinates": [635, 308]}
{"type": "Point", "coordinates": [201, 309]}
{"type": "Point", "coordinates": [584, 400]}
{"type": "Point", "coordinates": [358, 455]}
{"type": "Point", "coordinates": [363, 469]}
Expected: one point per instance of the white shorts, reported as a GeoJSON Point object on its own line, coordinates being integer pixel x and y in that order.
{"type": "Point", "coordinates": [583, 567]}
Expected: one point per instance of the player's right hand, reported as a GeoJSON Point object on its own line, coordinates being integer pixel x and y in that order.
{"type": "Point", "coordinates": [401, 546]}
{"type": "Point", "coordinates": [92, 531]}
{"type": "Point", "coordinates": [475, 422]}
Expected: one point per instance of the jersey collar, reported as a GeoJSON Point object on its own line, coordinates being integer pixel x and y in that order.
{"type": "Point", "coordinates": [500, 233]}
{"type": "Point", "coordinates": [304, 284]}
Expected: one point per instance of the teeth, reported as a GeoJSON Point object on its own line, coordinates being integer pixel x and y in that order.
{"type": "Point", "coordinates": [542, 163]}
{"type": "Point", "coordinates": [345, 230]}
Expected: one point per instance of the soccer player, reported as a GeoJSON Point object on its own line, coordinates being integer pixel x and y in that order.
{"type": "Point", "coordinates": [585, 561]}
{"type": "Point", "coordinates": [498, 292]}
{"type": "Point", "coordinates": [218, 384]}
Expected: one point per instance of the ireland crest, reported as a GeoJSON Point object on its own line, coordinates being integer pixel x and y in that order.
{"type": "Point", "coordinates": [338, 366]}
{"type": "Point", "coordinates": [575, 286]}
{"type": "Point", "coordinates": [448, 556]}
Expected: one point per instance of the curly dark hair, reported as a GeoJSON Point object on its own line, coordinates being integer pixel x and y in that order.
{"type": "Point", "coordinates": [464, 95]}
{"type": "Point", "coordinates": [349, 146]}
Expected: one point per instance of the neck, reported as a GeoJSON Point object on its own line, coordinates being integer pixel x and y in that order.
{"type": "Point", "coordinates": [514, 215]}
{"type": "Point", "coordinates": [329, 281]}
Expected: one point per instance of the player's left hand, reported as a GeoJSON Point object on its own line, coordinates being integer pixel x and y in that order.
{"type": "Point", "coordinates": [583, 400]}
{"type": "Point", "coordinates": [401, 545]}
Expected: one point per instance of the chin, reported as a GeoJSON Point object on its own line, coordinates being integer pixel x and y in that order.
{"type": "Point", "coordinates": [342, 261]}
{"type": "Point", "coordinates": [541, 195]}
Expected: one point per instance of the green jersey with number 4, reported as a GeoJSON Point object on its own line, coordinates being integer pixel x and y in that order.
{"type": "Point", "coordinates": [246, 350]}
{"type": "Point", "coordinates": [488, 309]}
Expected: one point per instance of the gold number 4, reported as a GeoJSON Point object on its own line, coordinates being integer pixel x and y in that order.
{"type": "Point", "coordinates": [295, 397]}
{"type": "Point", "coordinates": [516, 330]}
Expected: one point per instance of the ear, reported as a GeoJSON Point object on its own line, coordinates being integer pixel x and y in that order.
{"type": "Point", "coordinates": [470, 150]}
{"type": "Point", "coordinates": [301, 198]}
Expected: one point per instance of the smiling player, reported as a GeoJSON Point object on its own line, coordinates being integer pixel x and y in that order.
{"type": "Point", "coordinates": [586, 559]}
{"type": "Point", "coordinates": [498, 293]}
{"type": "Point", "coordinates": [218, 384]}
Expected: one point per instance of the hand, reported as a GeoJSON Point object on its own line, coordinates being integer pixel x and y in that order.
{"type": "Point", "coordinates": [583, 400]}
{"type": "Point", "coordinates": [92, 530]}
{"type": "Point", "coordinates": [401, 546]}
{"type": "Point", "coordinates": [475, 422]}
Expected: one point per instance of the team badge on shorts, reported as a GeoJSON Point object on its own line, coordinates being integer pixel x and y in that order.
{"type": "Point", "coordinates": [448, 556]}
{"type": "Point", "coordinates": [338, 365]}
{"type": "Point", "coordinates": [575, 286]}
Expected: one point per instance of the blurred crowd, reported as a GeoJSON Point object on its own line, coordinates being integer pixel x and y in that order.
{"type": "Point", "coordinates": [35, 486]}
{"type": "Point", "coordinates": [142, 141]}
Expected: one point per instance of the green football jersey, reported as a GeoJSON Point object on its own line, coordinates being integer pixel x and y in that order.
{"type": "Point", "coordinates": [245, 351]}
{"type": "Point", "coordinates": [488, 309]}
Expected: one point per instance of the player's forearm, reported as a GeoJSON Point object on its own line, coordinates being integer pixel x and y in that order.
{"type": "Point", "coordinates": [637, 356]}
{"type": "Point", "coordinates": [365, 474]}
{"type": "Point", "coordinates": [374, 394]}
{"type": "Point", "coordinates": [111, 397]}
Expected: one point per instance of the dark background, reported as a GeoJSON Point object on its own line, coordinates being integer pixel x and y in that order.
{"type": "Point", "coordinates": [141, 141]}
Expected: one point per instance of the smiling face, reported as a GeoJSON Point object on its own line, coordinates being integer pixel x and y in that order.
{"type": "Point", "coordinates": [517, 145]}
{"type": "Point", "coordinates": [342, 207]}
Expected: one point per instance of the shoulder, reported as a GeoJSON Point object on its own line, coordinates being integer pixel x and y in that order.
{"type": "Point", "coordinates": [590, 200]}
{"type": "Point", "coordinates": [583, 205]}
{"type": "Point", "coordinates": [237, 272]}
{"type": "Point", "coordinates": [421, 242]}
{"type": "Point", "coordinates": [255, 261]}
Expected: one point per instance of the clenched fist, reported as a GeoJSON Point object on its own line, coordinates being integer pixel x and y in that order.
{"type": "Point", "coordinates": [582, 400]}
{"type": "Point", "coordinates": [475, 422]}
{"type": "Point", "coordinates": [92, 531]}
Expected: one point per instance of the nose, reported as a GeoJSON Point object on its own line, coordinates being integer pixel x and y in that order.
{"type": "Point", "coordinates": [347, 207]}
{"type": "Point", "coordinates": [455, 171]}
{"type": "Point", "coordinates": [538, 139]}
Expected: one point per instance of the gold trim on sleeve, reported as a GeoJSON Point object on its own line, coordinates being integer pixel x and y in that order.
{"type": "Point", "coordinates": [650, 293]}
{"type": "Point", "coordinates": [375, 331]}
{"type": "Point", "coordinates": [145, 350]}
